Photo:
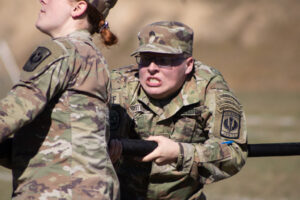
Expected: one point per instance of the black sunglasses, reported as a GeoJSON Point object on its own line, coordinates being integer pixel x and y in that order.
{"type": "Point", "coordinates": [161, 61]}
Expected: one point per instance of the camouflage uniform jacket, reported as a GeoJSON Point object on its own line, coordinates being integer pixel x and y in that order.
{"type": "Point", "coordinates": [205, 117]}
{"type": "Point", "coordinates": [58, 116]}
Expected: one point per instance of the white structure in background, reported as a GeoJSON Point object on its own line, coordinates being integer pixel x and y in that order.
{"type": "Point", "coordinates": [9, 62]}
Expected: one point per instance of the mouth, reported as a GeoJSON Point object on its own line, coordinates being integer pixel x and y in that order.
{"type": "Point", "coordinates": [153, 82]}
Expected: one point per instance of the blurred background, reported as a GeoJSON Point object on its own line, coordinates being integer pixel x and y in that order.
{"type": "Point", "coordinates": [254, 43]}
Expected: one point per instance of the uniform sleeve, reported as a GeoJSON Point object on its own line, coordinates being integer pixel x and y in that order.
{"type": "Point", "coordinates": [224, 153]}
{"type": "Point", "coordinates": [44, 75]}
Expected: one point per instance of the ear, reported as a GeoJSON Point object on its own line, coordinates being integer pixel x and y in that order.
{"type": "Point", "coordinates": [189, 65]}
{"type": "Point", "coordinates": [79, 8]}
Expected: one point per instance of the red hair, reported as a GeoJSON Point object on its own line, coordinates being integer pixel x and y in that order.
{"type": "Point", "coordinates": [97, 23]}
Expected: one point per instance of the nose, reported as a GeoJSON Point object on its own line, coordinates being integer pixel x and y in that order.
{"type": "Point", "coordinates": [153, 68]}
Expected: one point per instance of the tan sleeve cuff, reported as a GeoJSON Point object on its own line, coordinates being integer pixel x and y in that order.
{"type": "Point", "coordinates": [186, 157]}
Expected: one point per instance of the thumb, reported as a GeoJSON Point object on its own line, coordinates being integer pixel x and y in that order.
{"type": "Point", "coordinates": [151, 156]}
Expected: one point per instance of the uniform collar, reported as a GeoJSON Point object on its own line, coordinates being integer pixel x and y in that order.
{"type": "Point", "coordinates": [82, 34]}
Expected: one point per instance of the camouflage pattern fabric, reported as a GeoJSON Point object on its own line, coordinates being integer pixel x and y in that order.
{"type": "Point", "coordinates": [58, 116]}
{"type": "Point", "coordinates": [169, 37]}
{"type": "Point", "coordinates": [103, 6]}
{"type": "Point", "coordinates": [203, 117]}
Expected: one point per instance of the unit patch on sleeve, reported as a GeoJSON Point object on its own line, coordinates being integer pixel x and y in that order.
{"type": "Point", "coordinates": [40, 54]}
{"type": "Point", "coordinates": [230, 126]}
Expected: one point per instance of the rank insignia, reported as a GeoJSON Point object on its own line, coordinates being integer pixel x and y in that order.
{"type": "Point", "coordinates": [230, 126]}
{"type": "Point", "coordinates": [36, 58]}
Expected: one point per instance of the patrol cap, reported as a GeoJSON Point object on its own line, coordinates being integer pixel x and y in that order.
{"type": "Point", "coordinates": [168, 37]}
{"type": "Point", "coordinates": [103, 6]}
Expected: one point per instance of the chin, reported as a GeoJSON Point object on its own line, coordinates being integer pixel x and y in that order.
{"type": "Point", "coordinates": [155, 95]}
{"type": "Point", "coordinates": [154, 92]}
{"type": "Point", "coordinates": [39, 26]}
{"type": "Point", "coordinates": [43, 30]}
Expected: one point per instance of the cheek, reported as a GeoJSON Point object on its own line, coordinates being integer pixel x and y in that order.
{"type": "Point", "coordinates": [173, 82]}
{"type": "Point", "coordinates": [142, 73]}
{"type": "Point", "coordinates": [176, 79]}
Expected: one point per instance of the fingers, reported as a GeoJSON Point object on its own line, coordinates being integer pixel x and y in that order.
{"type": "Point", "coordinates": [157, 153]}
{"type": "Point", "coordinates": [166, 152]}
{"type": "Point", "coordinates": [151, 156]}
{"type": "Point", "coordinates": [155, 138]}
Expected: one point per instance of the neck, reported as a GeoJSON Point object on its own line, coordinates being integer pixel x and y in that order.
{"type": "Point", "coordinates": [69, 27]}
{"type": "Point", "coordinates": [164, 101]}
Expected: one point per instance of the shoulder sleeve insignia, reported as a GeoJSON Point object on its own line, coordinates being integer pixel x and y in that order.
{"type": "Point", "coordinates": [230, 126]}
{"type": "Point", "coordinates": [40, 54]}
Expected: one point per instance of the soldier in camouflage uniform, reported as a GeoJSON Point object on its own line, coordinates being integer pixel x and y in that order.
{"type": "Point", "coordinates": [57, 114]}
{"type": "Point", "coordinates": [183, 105]}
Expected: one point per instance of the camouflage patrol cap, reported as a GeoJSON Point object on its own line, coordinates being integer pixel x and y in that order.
{"type": "Point", "coordinates": [103, 6]}
{"type": "Point", "coordinates": [169, 37]}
